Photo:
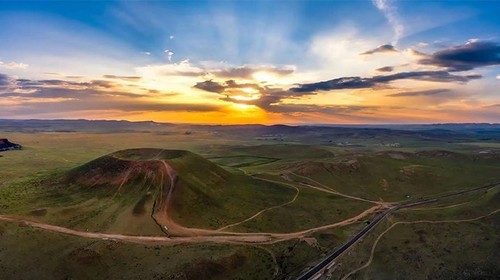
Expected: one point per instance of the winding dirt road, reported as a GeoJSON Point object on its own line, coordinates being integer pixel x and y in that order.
{"type": "Point", "coordinates": [327, 189]}
{"type": "Point", "coordinates": [163, 219]}
{"type": "Point", "coordinates": [264, 210]}
{"type": "Point", "coordinates": [372, 253]}
{"type": "Point", "coordinates": [197, 235]}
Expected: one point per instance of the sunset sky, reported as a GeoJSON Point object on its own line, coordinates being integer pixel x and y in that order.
{"type": "Point", "coordinates": [312, 62]}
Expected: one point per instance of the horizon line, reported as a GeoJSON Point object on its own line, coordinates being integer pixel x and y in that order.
{"type": "Point", "coordinates": [255, 124]}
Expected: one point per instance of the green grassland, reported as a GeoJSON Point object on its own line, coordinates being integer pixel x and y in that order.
{"type": "Point", "coordinates": [49, 181]}
{"type": "Point", "coordinates": [201, 197]}
{"type": "Point", "coordinates": [470, 206]}
{"type": "Point", "coordinates": [48, 151]}
{"type": "Point", "coordinates": [79, 258]}
{"type": "Point", "coordinates": [198, 199]}
{"type": "Point", "coordinates": [433, 242]}
{"type": "Point", "coordinates": [97, 196]}
{"type": "Point", "coordinates": [27, 253]}
{"type": "Point", "coordinates": [413, 175]}
{"type": "Point", "coordinates": [442, 251]}
{"type": "Point", "coordinates": [242, 161]}
{"type": "Point", "coordinates": [302, 214]}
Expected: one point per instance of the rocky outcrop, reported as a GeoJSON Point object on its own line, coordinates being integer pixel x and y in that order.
{"type": "Point", "coordinates": [5, 145]}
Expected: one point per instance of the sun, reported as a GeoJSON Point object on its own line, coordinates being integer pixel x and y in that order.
{"type": "Point", "coordinates": [244, 94]}
{"type": "Point", "coordinates": [243, 107]}
{"type": "Point", "coordinates": [246, 98]}
{"type": "Point", "coordinates": [265, 77]}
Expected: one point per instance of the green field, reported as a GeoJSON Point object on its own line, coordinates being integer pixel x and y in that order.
{"type": "Point", "coordinates": [246, 185]}
{"type": "Point", "coordinates": [78, 258]}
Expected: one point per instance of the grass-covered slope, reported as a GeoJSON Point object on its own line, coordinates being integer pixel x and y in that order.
{"type": "Point", "coordinates": [456, 238]}
{"type": "Point", "coordinates": [207, 195]}
{"type": "Point", "coordinates": [123, 191]}
{"type": "Point", "coordinates": [28, 253]}
{"type": "Point", "coordinates": [397, 176]}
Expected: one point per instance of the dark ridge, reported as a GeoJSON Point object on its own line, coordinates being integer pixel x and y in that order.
{"type": "Point", "coordinates": [6, 145]}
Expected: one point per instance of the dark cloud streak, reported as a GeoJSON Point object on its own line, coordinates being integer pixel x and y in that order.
{"type": "Point", "coordinates": [465, 57]}
{"type": "Point", "coordinates": [420, 93]}
{"type": "Point", "coordinates": [126, 78]}
{"type": "Point", "coordinates": [210, 86]}
{"type": "Point", "coordinates": [81, 96]}
{"type": "Point", "coordinates": [97, 104]}
{"type": "Point", "coordinates": [377, 81]}
{"type": "Point", "coordinates": [4, 80]}
{"type": "Point", "coordinates": [385, 69]}
{"type": "Point", "coordinates": [382, 49]}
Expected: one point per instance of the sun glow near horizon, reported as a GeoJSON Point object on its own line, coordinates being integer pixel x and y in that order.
{"type": "Point", "coordinates": [247, 65]}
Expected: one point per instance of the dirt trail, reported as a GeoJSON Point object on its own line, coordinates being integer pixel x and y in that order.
{"type": "Point", "coordinates": [345, 222]}
{"type": "Point", "coordinates": [314, 181]}
{"type": "Point", "coordinates": [244, 239]}
{"type": "Point", "coordinates": [447, 206]}
{"type": "Point", "coordinates": [162, 217]}
{"type": "Point", "coordinates": [276, 265]}
{"type": "Point", "coordinates": [174, 228]}
{"type": "Point", "coordinates": [125, 178]}
{"type": "Point", "coordinates": [438, 208]}
{"type": "Point", "coordinates": [347, 196]}
{"type": "Point", "coordinates": [199, 232]}
{"type": "Point", "coordinates": [372, 253]}
{"type": "Point", "coordinates": [159, 153]}
{"type": "Point", "coordinates": [264, 210]}
{"type": "Point", "coordinates": [327, 189]}
{"type": "Point", "coordinates": [197, 235]}
{"type": "Point", "coordinates": [173, 179]}
{"type": "Point", "coordinates": [165, 220]}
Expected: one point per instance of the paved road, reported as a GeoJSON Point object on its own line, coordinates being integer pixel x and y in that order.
{"type": "Point", "coordinates": [316, 271]}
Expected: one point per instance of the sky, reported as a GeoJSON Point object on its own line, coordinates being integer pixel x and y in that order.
{"type": "Point", "coordinates": [237, 62]}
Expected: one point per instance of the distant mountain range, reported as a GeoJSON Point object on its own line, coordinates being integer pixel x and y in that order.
{"type": "Point", "coordinates": [442, 132]}
{"type": "Point", "coordinates": [122, 125]}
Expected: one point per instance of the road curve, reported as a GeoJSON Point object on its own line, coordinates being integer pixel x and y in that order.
{"type": "Point", "coordinates": [316, 271]}
{"type": "Point", "coordinates": [203, 235]}
{"type": "Point", "coordinates": [411, 222]}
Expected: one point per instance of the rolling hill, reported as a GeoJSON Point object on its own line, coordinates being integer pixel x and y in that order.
{"type": "Point", "coordinates": [143, 191]}
{"type": "Point", "coordinates": [396, 176]}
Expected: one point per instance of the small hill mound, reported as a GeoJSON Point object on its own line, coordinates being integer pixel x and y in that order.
{"type": "Point", "coordinates": [6, 145]}
{"type": "Point", "coordinates": [141, 191]}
